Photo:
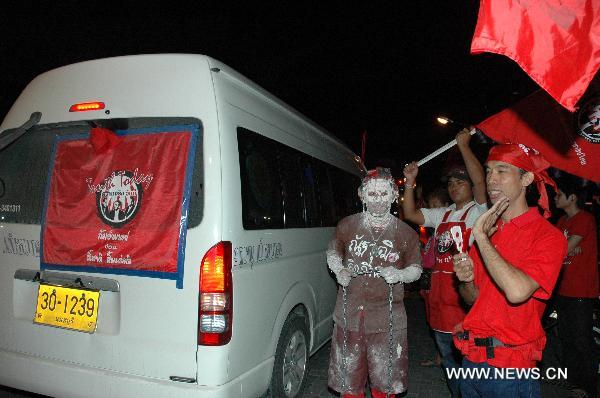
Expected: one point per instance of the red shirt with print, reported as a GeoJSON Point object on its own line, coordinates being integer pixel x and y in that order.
{"type": "Point", "coordinates": [579, 277]}
{"type": "Point", "coordinates": [533, 245]}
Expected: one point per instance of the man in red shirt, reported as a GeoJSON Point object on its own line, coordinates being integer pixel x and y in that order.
{"type": "Point", "coordinates": [577, 289]}
{"type": "Point", "coordinates": [507, 275]}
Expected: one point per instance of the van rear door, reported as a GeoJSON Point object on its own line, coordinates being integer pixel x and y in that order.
{"type": "Point", "coordinates": [146, 322]}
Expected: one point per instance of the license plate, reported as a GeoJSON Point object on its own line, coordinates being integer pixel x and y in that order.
{"type": "Point", "coordinates": [68, 308]}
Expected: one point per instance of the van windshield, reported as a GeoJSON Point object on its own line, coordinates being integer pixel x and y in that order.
{"type": "Point", "coordinates": [24, 166]}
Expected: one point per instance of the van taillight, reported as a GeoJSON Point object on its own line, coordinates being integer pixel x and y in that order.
{"type": "Point", "coordinates": [86, 106]}
{"type": "Point", "coordinates": [215, 306]}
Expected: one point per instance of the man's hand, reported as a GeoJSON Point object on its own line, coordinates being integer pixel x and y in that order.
{"type": "Point", "coordinates": [485, 226]}
{"type": "Point", "coordinates": [343, 277]}
{"type": "Point", "coordinates": [391, 274]}
{"type": "Point", "coordinates": [334, 261]}
{"type": "Point", "coordinates": [463, 267]}
{"type": "Point", "coordinates": [410, 172]}
{"type": "Point", "coordinates": [464, 137]}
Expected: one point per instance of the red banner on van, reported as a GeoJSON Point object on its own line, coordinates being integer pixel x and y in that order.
{"type": "Point", "coordinates": [121, 210]}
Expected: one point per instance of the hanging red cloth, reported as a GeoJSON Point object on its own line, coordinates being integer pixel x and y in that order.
{"type": "Point", "coordinates": [103, 140]}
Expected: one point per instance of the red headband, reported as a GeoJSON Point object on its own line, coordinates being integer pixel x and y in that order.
{"type": "Point", "coordinates": [530, 160]}
{"type": "Point", "coordinates": [379, 172]}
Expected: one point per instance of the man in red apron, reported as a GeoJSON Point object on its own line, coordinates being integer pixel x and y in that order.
{"type": "Point", "coordinates": [437, 198]}
{"type": "Point", "coordinates": [507, 275]}
{"type": "Point", "coordinates": [466, 188]}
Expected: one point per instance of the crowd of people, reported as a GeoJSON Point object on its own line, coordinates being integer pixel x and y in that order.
{"type": "Point", "coordinates": [489, 268]}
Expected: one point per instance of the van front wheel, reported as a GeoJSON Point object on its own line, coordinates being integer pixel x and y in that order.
{"type": "Point", "coordinates": [290, 369]}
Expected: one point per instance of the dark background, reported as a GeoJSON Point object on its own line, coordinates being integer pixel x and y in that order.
{"type": "Point", "coordinates": [388, 69]}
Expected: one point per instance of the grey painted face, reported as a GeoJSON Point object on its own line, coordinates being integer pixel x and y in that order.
{"type": "Point", "coordinates": [378, 196]}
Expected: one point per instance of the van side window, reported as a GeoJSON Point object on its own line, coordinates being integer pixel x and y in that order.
{"type": "Point", "coordinates": [293, 201]}
{"type": "Point", "coordinates": [310, 189]}
{"type": "Point", "coordinates": [344, 192]}
{"type": "Point", "coordinates": [285, 188]}
{"type": "Point", "coordinates": [261, 184]}
{"type": "Point", "coordinates": [326, 202]}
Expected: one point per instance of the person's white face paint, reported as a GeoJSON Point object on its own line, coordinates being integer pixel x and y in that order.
{"type": "Point", "coordinates": [379, 197]}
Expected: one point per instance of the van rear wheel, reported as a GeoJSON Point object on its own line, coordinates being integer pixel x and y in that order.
{"type": "Point", "coordinates": [290, 369]}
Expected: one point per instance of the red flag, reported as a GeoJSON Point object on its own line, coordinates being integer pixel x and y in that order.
{"type": "Point", "coordinates": [570, 142]}
{"type": "Point", "coordinates": [119, 211]}
{"type": "Point", "coordinates": [556, 42]}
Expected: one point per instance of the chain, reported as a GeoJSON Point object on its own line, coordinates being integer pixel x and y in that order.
{"type": "Point", "coordinates": [378, 222]}
{"type": "Point", "coordinates": [343, 375]}
{"type": "Point", "coordinates": [345, 344]}
{"type": "Point", "coordinates": [371, 226]}
{"type": "Point", "coordinates": [391, 341]}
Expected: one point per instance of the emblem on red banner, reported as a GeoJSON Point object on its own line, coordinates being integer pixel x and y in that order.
{"type": "Point", "coordinates": [588, 120]}
{"type": "Point", "coordinates": [120, 199]}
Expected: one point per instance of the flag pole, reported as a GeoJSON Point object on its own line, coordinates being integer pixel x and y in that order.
{"type": "Point", "coordinates": [441, 150]}
{"type": "Point", "coordinates": [363, 144]}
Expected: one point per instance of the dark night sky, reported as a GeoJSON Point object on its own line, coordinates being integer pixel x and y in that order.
{"type": "Point", "coordinates": [388, 70]}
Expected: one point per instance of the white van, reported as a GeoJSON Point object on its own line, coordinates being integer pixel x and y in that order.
{"type": "Point", "coordinates": [163, 225]}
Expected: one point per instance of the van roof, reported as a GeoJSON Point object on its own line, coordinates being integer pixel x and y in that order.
{"type": "Point", "coordinates": [233, 74]}
{"type": "Point", "coordinates": [128, 81]}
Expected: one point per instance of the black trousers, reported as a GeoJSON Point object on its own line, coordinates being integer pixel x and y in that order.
{"type": "Point", "coordinates": [577, 350]}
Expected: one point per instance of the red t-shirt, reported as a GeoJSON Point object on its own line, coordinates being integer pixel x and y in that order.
{"type": "Point", "coordinates": [533, 245]}
{"type": "Point", "coordinates": [579, 277]}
